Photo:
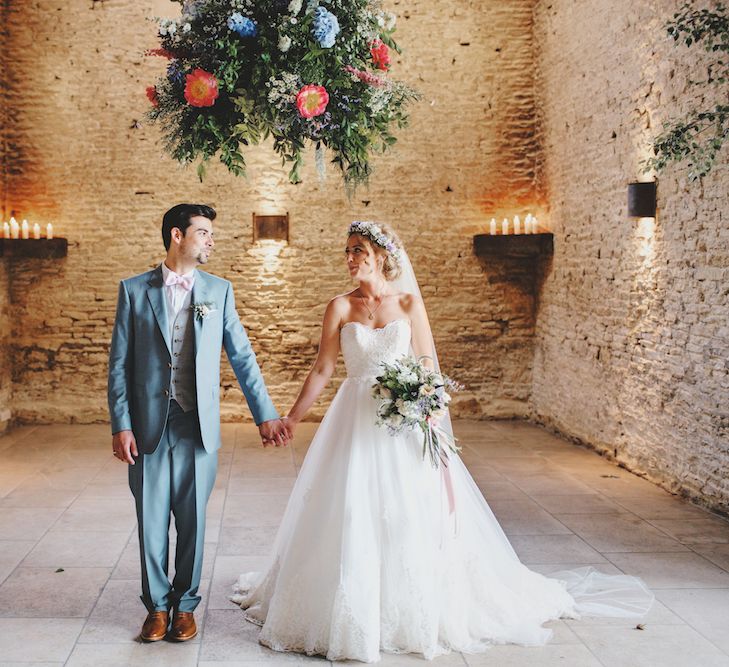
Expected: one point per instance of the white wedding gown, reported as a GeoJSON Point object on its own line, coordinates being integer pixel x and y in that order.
{"type": "Point", "coordinates": [369, 558]}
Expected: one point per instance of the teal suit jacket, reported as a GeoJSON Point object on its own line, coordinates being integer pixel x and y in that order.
{"type": "Point", "coordinates": [140, 361]}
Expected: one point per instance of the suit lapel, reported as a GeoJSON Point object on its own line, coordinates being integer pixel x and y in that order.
{"type": "Point", "coordinates": [199, 295]}
{"type": "Point", "coordinates": [156, 297]}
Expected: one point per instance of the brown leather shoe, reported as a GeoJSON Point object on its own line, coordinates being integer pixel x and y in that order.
{"type": "Point", "coordinates": [183, 626]}
{"type": "Point", "coordinates": [155, 626]}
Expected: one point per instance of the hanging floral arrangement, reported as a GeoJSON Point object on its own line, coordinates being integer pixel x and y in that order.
{"type": "Point", "coordinates": [314, 72]}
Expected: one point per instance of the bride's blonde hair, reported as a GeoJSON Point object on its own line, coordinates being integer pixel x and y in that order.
{"type": "Point", "coordinates": [385, 243]}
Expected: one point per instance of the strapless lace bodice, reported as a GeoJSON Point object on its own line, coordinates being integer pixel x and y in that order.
{"type": "Point", "coordinates": [365, 349]}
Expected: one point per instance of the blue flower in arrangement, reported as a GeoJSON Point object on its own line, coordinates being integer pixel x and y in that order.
{"type": "Point", "coordinates": [242, 25]}
{"type": "Point", "coordinates": [325, 28]}
{"type": "Point", "coordinates": [175, 72]}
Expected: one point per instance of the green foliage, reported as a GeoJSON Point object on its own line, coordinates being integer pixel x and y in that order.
{"type": "Point", "coordinates": [698, 138]}
{"type": "Point", "coordinates": [259, 78]}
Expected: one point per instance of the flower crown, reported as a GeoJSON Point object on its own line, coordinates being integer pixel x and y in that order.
{"type": "Point", "coordinates": [374, 233]}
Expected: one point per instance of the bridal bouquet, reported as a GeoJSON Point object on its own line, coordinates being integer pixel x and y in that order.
{"type": "Point", "coordinates": [413, 396]}
{"type": "Point", "coordinates": [298, 71]}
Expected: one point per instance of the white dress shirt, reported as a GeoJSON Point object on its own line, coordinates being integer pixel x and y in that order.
{"type": "Point", "coordinates": [177, 297]}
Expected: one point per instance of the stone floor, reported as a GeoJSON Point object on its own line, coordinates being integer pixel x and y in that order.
{"type": "Point", "coordinates": [69, 570]}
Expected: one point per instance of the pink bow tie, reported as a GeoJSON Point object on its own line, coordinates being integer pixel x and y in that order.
{"type": "Point", "coordinates": [183, 281]}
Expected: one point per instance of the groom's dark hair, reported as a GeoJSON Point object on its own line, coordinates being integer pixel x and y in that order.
{"type": "Point", "coordinates": [179, 216]}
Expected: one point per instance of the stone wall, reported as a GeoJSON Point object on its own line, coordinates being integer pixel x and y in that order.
{"type": "Point", "coordinates": [5, 327]}
{"type": "Point", "coordinates": [79, 159]}
{"type": "Point", "coordinates": [6, 379]}
{"type": "Point", "coordinates": [632, 333]}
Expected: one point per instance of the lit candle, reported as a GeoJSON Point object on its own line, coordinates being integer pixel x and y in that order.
{"type": "Point", "coordinates": [6, 230]}
{"type": "Point", "coordinates": [492, 229]}
{"type": "Point", "coordinates": [25, 230]}
{"type": "Point", "coordinates": [49, 231]}
{"type": "Point", "coordinates": [505, 226]}
{"type": "Point", "coordinates": [534, 225]}
{"type": "Point", "coordinates": [36, 231]}
{"type": "Point", "coordinates": [517, 225]}
{"type": "Point", "coordinates": [14, 228]}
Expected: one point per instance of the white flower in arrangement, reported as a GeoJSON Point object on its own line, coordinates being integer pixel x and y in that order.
{"type": "Point", "coordinates": [203, 310]}
{"type": "Point", "coordinates": [186, 27]}
{"type": "Point", "coordinates": [396, 420]}
{"type": "Point", "coordinates": [379, 99]}
{"type": "Point", "coordinates": [407, 377]}
{"type": "Point", "coordinates": [284, 43]}
{"type": "Point", "coordinates": [295, 6]}
{"type": "Point", "coordinates": [427, 390]}
{"type": "Point", "coordinates": [390, 20]}
{"type": "Point", "coordinates": [385, 393]}
{"type": "Point", "coordinates": [412, 411]}
{"type": "Point", "coordinates": [446, 397]}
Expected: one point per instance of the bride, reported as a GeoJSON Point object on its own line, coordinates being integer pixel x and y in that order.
{"type": "Point", "coordinates": [377, 549]}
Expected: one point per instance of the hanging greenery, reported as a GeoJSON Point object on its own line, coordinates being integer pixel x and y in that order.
{"type": "Point", "coordinates": [698, 138]}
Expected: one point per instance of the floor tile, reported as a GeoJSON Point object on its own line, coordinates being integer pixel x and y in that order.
{"type": "Point", "coordinates": [619, 533]}
{"type": "Point", "coordinates": [91, 515]}
{"type": "Point", "coordinates": [672, 570]}
{"type": "Point", "coordinates": [667, 507]}
{"type": "Point", "coordinates": [525, 517]}
{"type": "Point", "coordinates": [63, 548]}
{"type": "Point", "coordinates": [47, 593]}
{"type": "Point", "coordinates": [579, 504]}
{"type": "Point", "coordinates": [562, 655]}
{"type": "Point", "coordinates": [705, 610]}
{"type": "Point", "coordinates": [20, 523]}
{"type": "Point", "coordinates": [554, 549]}
{"type": "Point", "coordinates": [664, 645]}
{"type": "Point", "coordinates": [228, 636]}
{"type": "Point", "coordinates": [38, 640]}
{"type": "Point", "coordinates": [12, 552]}
{"type": "Point", "coordinates": [695, 531]}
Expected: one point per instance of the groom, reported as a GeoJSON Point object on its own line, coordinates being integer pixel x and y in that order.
{"type": "Point", "coordinates": [164, 381]}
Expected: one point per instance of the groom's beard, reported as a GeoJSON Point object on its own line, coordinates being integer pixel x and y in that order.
{"type": "Point", "coordinates": [203, 258]}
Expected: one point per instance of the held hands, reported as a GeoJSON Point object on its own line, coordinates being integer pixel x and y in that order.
{"type": "Point", "coordinates": [274, 432]}
{"type": "Point", "coordinates": [124, 446]}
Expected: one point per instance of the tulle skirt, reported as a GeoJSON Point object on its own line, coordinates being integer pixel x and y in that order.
{"type": "Point", "coordinates": [372, 556]}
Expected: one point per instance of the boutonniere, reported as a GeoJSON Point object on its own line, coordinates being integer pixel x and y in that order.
{"type": "Point", "coordinates": [203, 310]}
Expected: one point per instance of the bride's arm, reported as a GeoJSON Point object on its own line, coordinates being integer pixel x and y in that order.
{"type": "Point", "coordinates": [323, 367]}
{"type": "Point", "coordinates": [422, 336]}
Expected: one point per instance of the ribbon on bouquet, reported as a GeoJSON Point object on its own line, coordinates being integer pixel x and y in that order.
{"type": "Point", "coordinates": [432, 436]}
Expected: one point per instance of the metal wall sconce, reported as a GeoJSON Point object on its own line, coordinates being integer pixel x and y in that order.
{"type": "Point", "coordinates": [642, 199]}
{"type": "Point", "coordinates": [271, 228]}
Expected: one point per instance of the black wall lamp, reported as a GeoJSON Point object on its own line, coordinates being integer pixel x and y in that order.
{"type": "Point", "coordinates": [642, 199]}
{"type": "Point", "coordinates": [271, 227]}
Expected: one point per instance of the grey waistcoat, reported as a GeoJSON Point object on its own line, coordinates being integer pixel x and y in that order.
{"type": "Point", "coordinates": [182, 382]}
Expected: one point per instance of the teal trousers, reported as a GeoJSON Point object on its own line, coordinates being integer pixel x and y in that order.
{"type": "Point", "coordinates": [173, 481]}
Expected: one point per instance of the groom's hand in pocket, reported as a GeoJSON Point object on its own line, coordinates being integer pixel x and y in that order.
{"type": "Point", "coordinates": [125, 446]}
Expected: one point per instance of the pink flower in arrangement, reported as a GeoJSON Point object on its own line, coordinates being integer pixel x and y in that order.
{"type": "Point", "coordinates": [164, 53]}
{"type": "Point", "coordinates": [380, 54]}
{"type": "Point", "coordinates": [312, 101]}
{"type": "Point", "coordinates": [201, 88]}
{"type": "Point", "coordinates": [366, 77]}
{"type": "Point", "coordinates": [152, 96]}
